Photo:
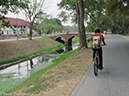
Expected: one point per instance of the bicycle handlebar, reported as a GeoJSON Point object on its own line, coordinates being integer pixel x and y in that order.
{"type": "Point", "coordinates": [103, 44]}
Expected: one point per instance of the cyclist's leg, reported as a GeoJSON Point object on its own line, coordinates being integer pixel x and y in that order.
{"type": "Point", "coordinates": [101, 58]}
{"type": "Point", "coordinates": [93, 53]}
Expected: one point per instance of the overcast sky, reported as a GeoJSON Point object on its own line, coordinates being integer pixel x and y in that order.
{"type": "Point", "coordinates": [51, 9]}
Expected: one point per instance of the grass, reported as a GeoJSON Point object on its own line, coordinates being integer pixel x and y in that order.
{"type": "Point", "coordinates": [34, 79]}
{"type": "Point", "coordinates": [88, 40]}
{"type": "Point", "coordinates": [39, 52]}
{"type": "Point", "coordinates": [64, 66]}
{"type": "Point", "coordinates": [49, 72]}
{"type": "Point", "coordinates": [22, 48]}
{"type": "Point", "coordinates": [76, 40]}
{"type": "Point", "coordinates": [9, 84]}
{"type": "Point", "coordinates": [69, 70]}
{"type": "Point", "coordinates": [127, 36]}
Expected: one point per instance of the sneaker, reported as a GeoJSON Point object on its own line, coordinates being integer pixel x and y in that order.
{"type": "Point", "coordinates": [101, 68]}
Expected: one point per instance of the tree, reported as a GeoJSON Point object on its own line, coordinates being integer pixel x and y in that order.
{"type": "Point", "coordinates": [90, 26]}
{"type": "Point", "coordinates": [37, 27]}
{"type": "Point", "coordinates": [34, 10]}
{"type": "Point", "coordinates": [96, 11]}
{"type": "Point", "coordinates": [47, 25]}
{"type": "Point", "coordinates": [70, 28]}
{"type": "Point", "coordinates": [68, 10]}
{"type": "Point", "coordinates": [118, 10]}
{"type": "Point", "coordinates": [9, 5]}
{"type": "Point", "coordinates": [80, 10]}
{"type": "Point", "coordinates": [80, 6]}
{"type": "Point", "coordinates": [117, 6]}
{"type": "Point", "coordinates": [52, 25]}
{"type": "Point", "coordinates": [76, 11]}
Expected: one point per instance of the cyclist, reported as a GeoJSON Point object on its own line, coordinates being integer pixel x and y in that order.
{"type": "Point", "coordinates": [97, 33]}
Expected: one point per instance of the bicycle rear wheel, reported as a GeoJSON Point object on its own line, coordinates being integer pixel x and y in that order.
{"type": "Point", "coordinates": [96, 66]}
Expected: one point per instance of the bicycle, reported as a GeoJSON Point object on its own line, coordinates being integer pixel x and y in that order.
{"type": "Point", "coordinates": [96, 62]}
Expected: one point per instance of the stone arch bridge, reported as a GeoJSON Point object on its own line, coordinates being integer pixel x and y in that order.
{"type": "Point", "coordinates": [65, 38]}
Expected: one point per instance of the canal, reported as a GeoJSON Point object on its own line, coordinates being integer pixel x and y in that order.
{"type": "Point", "coordinates": [22, 70]}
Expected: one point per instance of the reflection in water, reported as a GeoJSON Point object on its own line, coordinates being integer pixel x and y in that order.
{"type": "Point", "coordinates": [18, 68]}
{"type": "Point", "coordinates": [68, 48]}
{"type": "Point", "coordinates": [24, 69]}
{"type": "Point", "coordinates": [31, 63]}
{"type": "Point", "coordinates": [60, 51]}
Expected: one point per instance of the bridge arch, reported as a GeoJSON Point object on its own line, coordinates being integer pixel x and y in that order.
{"type": "Point", "coordinates": [59, 39]}
{"type": "Point", "coordinates": [68, 39]}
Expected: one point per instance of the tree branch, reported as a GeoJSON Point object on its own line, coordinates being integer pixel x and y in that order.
{"type": "Point", "coordinates": [91, 17]}
{"type": "Point", "coordinates": [77, 10]}
{"type": "Point", "coordinates": [84, 4]}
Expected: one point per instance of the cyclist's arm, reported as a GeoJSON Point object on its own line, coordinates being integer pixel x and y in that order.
{"type": "Point", "coordinates": [92, 36]}
{"type": "Point", "coordinates": [103, 40]}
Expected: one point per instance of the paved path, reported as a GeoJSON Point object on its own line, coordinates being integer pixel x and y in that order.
{"type": "Point", "coordinates": [113, 80]}
{"type": "Point", "coordinates": [18, 39]}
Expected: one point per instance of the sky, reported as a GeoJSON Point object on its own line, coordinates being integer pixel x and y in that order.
{"type": "Point", "coordinates": [52, 9]}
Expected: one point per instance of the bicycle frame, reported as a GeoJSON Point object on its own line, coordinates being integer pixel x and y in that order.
{"type": "Point", "coordinates": [96, 62]}
{"type": "Point", "coordinates": [97, 56]}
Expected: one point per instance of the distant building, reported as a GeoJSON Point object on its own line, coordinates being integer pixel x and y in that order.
{"type": "Point", "coordinates": [19, 25]}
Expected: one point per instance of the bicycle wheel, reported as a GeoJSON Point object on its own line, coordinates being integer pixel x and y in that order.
{"type": "Point", "coordinates": [96, 66]}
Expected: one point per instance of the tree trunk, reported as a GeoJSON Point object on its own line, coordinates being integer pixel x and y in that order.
{"type": "Point", "coordinates": [81, 27]}
{"type": "Point", "coordinates": [31, 26]}
{"type": "Point", "coordinates": [113, 31]}
{"type": "Point", "coordinates": [30, 35]}
{"type": "Point", "coordinates": [125, 30]}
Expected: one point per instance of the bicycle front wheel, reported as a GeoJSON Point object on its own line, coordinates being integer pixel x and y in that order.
{"type": "Point", "coordinates": [96, 66]}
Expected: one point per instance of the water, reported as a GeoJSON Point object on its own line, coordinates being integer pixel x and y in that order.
{"type": "Point", "coordinates": [26, 68]}
{"type": "Point", "coordinates": [14, 75]}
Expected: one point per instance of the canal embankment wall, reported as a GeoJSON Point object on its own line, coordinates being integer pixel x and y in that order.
{"type": "Point", "coordinates": [21, 48]}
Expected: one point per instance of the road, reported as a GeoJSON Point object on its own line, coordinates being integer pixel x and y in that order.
{"type": "Point", "coordinates": [18, 39]}
{"type": "Point", "coordinates": [113, 80]}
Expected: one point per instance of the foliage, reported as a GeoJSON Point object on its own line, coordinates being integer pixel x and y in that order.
{"type": "Point", "coordinates": [117, 6]}
{"type": "Point", "coordinates": [91, 25]}
{"type": "Point", "coordinates": [108, 15]}
{"type": "Point", "coordinates": [75, 40]}
{"type": "Point", "coordinates": [37, 27]}
{"type": "Point", "coordinates": [75, 10]}
{"type": "Point", "coordinates": [105, 14]}
{"type": "Point", "coordinates": [68, 10]}
{"type": "Point", "coordinates": [52, 25]}
{"type": "Point", "coordinates": [9, 5]}
{"type": "Point", "coordinates": [70, 28]}
{"type": "Point", "coordinates": [45, 23]}
{"type": "Point", "coordinates": [34, 11]}
{"type": "Point", "coordinates": [118, 11]}
{"type": "Point", "coordinates": [94, 11]}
